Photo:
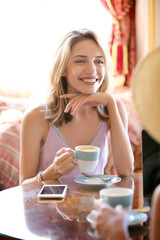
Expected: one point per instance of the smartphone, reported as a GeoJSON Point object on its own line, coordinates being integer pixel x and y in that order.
{"type": "Point", "coordinates": [53, 191]}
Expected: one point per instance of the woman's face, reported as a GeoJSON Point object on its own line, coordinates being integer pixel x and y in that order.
{"type": "Point", "coordinates": [85, 70]}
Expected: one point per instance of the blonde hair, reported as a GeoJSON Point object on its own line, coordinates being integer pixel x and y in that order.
{"type": "Point", "coordinates": [58, 83]}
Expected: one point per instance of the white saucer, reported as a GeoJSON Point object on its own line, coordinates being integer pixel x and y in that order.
{"type": "Point", "coordinates": [134, 218]}
{"type": "Point", "coordinates": [95, 180]}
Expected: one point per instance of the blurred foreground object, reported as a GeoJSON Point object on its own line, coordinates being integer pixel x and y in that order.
{"type": "Point", "coordinates": [146, 92]}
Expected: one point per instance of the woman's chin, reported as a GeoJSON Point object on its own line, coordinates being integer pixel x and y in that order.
{"type": "Point", "coordinates": [89, 91]}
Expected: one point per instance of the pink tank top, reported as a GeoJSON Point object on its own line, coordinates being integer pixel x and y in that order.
{"type": "Point", "coordinates": [55, 141]}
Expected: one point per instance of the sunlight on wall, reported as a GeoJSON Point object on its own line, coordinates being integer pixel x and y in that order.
{"type": "Point", "coordinates": [32, 29]}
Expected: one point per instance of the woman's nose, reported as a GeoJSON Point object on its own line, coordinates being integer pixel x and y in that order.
{"type": "Point", "coordinates": [91, 68]}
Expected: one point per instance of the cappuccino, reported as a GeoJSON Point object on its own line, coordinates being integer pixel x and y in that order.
{"type": "Point", "coordinates": [87, 148]}
{"type": "Point", "coordinates": [87, 157]}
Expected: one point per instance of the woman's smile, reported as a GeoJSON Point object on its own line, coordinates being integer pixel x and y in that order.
{"type": "Point", "coordinates": [89, 80]}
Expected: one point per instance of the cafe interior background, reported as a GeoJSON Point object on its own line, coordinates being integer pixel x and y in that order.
{"type": "Point", "coordinates": [30, 33]}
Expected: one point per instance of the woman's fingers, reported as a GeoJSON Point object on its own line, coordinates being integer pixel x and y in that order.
{"type": "Point", "coordinates": [67, 156]}
{"type": "Point", "coordinates": [74, 103]}
{"type": "Point", "coordinates": [64, 150]}
{"type": "Point", "coordinates": [64, 161]}
{"type": "Point", "coordinates": [77, 101]}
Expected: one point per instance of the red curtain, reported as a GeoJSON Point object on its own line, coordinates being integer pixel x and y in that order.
{"type": "Point", "coordinates": [122, 39]}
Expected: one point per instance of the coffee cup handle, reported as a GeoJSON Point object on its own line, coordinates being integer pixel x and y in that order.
{"type": "Point", "coordinates": [75, 156]}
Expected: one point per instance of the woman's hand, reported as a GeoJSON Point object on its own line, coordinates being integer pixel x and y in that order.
{"type": "Point", "coordinates": [62, 165]}
{"type": "Point", "coordinates": [77, 101]}
{"type": "Point", "coordinates": [109, 223]}
{"type": "Point", "coordinates": [64, 161]}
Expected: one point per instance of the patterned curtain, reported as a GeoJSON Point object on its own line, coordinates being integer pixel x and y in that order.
{"type": "Point", "coordinates": [122, 39]}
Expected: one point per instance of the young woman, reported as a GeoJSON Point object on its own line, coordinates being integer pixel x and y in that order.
{"type": "Point", "coordinates": [79, 110]}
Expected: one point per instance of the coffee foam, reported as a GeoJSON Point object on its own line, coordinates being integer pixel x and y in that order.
{"type": "Point", "coordinates": [87, 149]}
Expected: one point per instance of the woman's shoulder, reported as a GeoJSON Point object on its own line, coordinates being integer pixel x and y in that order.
{"type": "Point", "coordinates": [120, 105]}
{"type": "Point", "coordinates": [35, 114]}
{"type": "Point", "coordinates": [34, 123]}
{"type": "Point", "coordinates": [122, 110]}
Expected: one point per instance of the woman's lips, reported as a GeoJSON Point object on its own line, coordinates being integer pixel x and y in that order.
{"type": "Point", "coordinates": [89, 80]}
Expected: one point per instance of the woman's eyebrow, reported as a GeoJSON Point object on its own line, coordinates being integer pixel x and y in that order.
{"type": "Point", "coordinates": [80, 56]}
{"type": "Point", "coordinates": [83, 56]}
{"type": "Point", "coordinates": [99, 57]}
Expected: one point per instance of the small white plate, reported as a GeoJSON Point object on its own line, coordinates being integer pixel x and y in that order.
{"type": "Point", "coordinates": [95, 179]}
{"type": "Point", "coordinates": [134, 218]}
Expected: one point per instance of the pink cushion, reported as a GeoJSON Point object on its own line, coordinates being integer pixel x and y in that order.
{"type": "Point", "coordinates": [9, 154]}
{"type": "Point", "coordinates": [11, 112]}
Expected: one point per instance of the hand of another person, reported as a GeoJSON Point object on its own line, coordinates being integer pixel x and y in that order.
{"type": "Point", "coordinates": [63, 161]}
{"type": "Point", "coordinates": [80, 100]}
{"type": "Point", "coordinates": [110, 223]}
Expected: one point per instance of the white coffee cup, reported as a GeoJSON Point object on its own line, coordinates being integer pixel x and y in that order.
{"type": "Point", "coordinates": [117, 196]}
{"type": "Point", "coordinates": [87, 157]}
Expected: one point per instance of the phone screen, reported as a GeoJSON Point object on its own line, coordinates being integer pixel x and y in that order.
{"type": "Point", "coordinates": [53, 191]}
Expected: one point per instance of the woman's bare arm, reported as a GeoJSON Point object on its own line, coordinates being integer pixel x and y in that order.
{"type": "Point", "coordinates": [121, 147]}
{"type": "Point", "coordinates": [31, 137]}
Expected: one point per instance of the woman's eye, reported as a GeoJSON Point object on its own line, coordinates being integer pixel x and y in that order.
{"type": "Point", "coordinates": [100, 62]}
{"type": "Point", "coordinates": [79, 61]}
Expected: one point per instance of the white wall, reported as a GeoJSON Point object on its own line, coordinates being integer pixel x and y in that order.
{"type": "Point", "coordinates": [142, 43]}
{"type": "Point", "coordinates": [157, 23]}
{"type": "Point", "coordinates": [142, 27]}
